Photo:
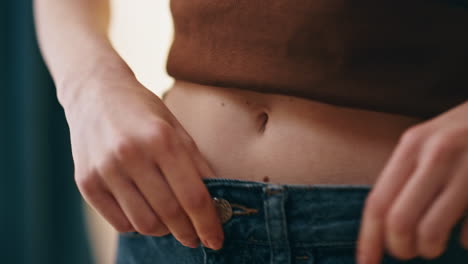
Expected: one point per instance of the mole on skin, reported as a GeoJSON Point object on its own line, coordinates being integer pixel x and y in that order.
{"type": "Point", "coordinates": [266, 179]}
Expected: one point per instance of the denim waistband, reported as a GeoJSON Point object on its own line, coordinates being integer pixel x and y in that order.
{"type": "Point", "coordinates": [291, 214]}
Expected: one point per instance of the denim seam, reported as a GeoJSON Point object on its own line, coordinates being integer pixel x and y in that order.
{"type": "Point", "coordinates": [258, 184]}
{"type": "Point", "coordinates": [146, 257]}
{"type": "Point", "coordinates": [284, 226]}
{"type": "Point", "coordinates": [205, 255]}
{"type": "Point", "coordinates": [326, 244]}
{"type": "Point", "coordinates": [274, 196]}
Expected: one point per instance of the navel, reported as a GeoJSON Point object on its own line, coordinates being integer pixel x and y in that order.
{"type": "Point", "coordinates": [263, 117]}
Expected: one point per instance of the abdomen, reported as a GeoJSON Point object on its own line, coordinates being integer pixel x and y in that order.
{"type": "Point", "coordinates": [285, 139]}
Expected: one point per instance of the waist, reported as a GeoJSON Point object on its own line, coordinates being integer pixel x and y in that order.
{"type": "Point", "coordinates": [298, 221]}
{"type": "Point", "coordinates": [285, 139]}
{"type": "Point", "coordinates": [253, 206]}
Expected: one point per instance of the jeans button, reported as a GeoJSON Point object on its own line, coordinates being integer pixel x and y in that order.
{"type": "Point", "coordinates": [223, 208]}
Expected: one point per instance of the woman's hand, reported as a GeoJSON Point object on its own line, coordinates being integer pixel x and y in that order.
{"type": "Point", "coordinates": [137, 166]}
{"type": "Point", "coordinates": [421, 193]}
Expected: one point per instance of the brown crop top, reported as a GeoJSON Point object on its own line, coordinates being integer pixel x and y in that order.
{"type": "Point", "coordinates": [397, 56]}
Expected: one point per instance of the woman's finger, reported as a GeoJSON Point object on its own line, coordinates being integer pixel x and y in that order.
{"type": "Point", "coordinates": [449, 207]}
{"type": "Point", "coordinates": [97, 196]}
{"type": "Point", "coordinates": [151, 183]}
{"type": "Point", "coordinates": [135, 207]}
{"type": "Point", "coordinates": [200, 161]}
{"type": "Point", "coordinates": [184, 178]}
{"type": "Point", "coordinates": [168, 208]}
{"type": "Point", "coordinates": [154, 187]}
{"type": "Point", "coordinates": [415, 198]}
{"type": "Point", "coordinates": [394, 175]}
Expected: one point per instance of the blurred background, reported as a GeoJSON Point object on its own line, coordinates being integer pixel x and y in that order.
{"type": "Point", "coordinates": [43, 217]}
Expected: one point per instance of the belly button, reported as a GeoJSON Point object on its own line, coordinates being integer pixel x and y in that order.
{"type": "Point", "coordinates": [263, 117]}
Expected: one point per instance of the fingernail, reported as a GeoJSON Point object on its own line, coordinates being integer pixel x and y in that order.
{"type": "Point", "coordinates": [216, 243]}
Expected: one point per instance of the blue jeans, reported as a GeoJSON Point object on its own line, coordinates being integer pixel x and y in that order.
{"type": "Point", "coordinates": [277, 224]}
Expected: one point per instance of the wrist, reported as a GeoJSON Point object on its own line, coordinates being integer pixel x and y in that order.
{"type": "Point", "coordinates": [92, 76]}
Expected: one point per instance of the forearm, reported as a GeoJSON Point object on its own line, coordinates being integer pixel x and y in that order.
{"type": "Point", "coordinates": [73, 38]}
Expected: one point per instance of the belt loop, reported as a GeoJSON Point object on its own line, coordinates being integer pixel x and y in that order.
{"type": "Point", "coordinates": [274, 198]}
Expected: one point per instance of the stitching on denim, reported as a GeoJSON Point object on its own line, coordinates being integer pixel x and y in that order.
{"type": "Point", "coordinates": [205, 254]}
{"type": "Point", "coordinates": [256, 184]}
{"type": "Point", "coordinates": [276, 246]}
{"type": "Point", "coordinates": [284, 225]}
{"type": "Point", "coordinates": [267, 226]}
{"type": "Point", "coordinates": [252, 242]}
{"type": "Point", "coordinates": [300, 244]}
{"type": "Point", "coordinates": [338, 244]}
{"type": "Point", "coordinates": [273, 191]}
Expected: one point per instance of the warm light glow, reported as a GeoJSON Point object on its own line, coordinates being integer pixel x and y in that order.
{"type": "Point", "coordinates": [142, 33]}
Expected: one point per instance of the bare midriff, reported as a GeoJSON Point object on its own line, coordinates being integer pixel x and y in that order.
{"type": "Point", "coordinates": [284, 139]}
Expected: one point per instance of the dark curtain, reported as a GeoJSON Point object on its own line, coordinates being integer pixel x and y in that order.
{"type": "Point", "coordinates": [41, 215]}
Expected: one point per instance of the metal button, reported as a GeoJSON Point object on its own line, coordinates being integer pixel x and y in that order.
{"type": "Point", "coordinates": [223, 208]}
